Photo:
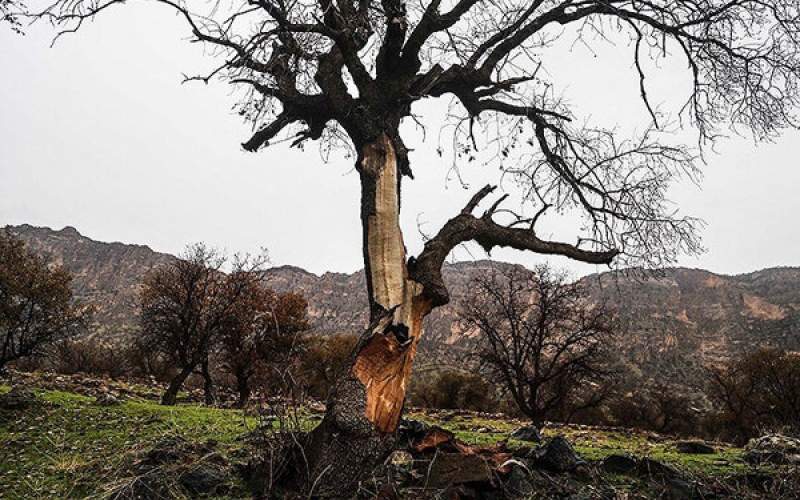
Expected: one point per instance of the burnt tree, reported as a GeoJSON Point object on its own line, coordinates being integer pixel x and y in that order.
{"type": "Point", "coordinates": [348, 71]}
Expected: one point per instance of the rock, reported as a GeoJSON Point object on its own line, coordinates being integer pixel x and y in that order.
{"type": "Point", "coordinates": [678, 489]}
{"type": "Point", "coordinates": [401, 459]}
{"type": "Point", "coordinates": [654, 468]}
{"type": "Point", "coordinates": [557, 456]}
{"type": "Point", "coordinates": [456, 468]}
{"type": "Point", "coordinates": [694, 447]}
{"type": "Point", "coordinates": [520, 483]}
{"type": "Point", "coordinates": [619, 464]}
{"type": "Point", "coordinates": [411, 430]}
{"type": "Point", "coordinates": [527, 433]}
{"type": "Point", "coordinates": [107, 399]}
{"type": "Point", "coordinates": [773, 448]}
{"type": "Point", "coordinates": [203, 479]}
{"type": "Point", "coordinates": [17, 398]}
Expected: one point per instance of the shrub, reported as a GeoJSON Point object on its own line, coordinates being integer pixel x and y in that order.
{"type": "Point", "coordinates": [451, 389]}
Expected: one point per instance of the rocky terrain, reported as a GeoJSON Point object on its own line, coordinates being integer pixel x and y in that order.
{"type": "Point", "coordinates": [671, 324]}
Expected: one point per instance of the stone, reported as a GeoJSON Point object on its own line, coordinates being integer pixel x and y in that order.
{"type": "Point", "coordinates": [203, 479]}
{"type": "Point", "coordinates": [519, 483]}
{"type": "Point", "coordinates": [401, 459]}
{"type": "Point", "coordinates": [411, 429]}
{"type": "Point", "coordinates": [678, 489]}
{"type": "Point", "coordinates": [773, 448]}
{"type": "Point", "coordinates": [619, 464]}
{"type": "Point", "coordinates": [17, 398]}
{"type": "Point", "coordinates": [654, 468]}
{"type": "Point", "coordinates": [107, 399]}
{"type": "Point", "coordinates": [527, 433]}
{"type": "Point", "coordinates": [694, 447]}
{"type": "Point", "coordinates": [556, 455]}
{"type": "Point", "coordinates": [447, 469]}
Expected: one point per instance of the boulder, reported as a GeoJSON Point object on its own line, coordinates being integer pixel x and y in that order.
{"type": "Point", "coordinates": [556, 455]}
{"type": "Point", "coordinates": [17, 398]}
{"type": "Point", "coordinates": [412, 430]}
{"type": "Point", "coordinates": [654, 468]}
{"type": "Point", "coordinates": [619, 464]}
{"type": "Point", "coordinates": [527, 433]}
{"type": "Point", "coordinates": [774, 449]}
{"type": "Point", "coordinates": [448, 469]}
{"type": "Point", "coordinates": [204, 479]}
{"type": "Point", "coordinates": [694, 447]}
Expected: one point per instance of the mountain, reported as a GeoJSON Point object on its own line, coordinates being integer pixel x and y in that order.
{"type": "Point", "coordinates": [106, 275]}
{"type": "Point", "coordinates": [677, 322]}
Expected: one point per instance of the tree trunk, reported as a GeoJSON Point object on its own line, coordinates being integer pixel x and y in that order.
{"type": "Point", "coordinates": [243, 388]}
{"type": "Point", "coordinates": [208, 384]}
{"type": "Point", "coordinates": [358, 430]}
{"type": "Point", "coordinates": [175, 385]}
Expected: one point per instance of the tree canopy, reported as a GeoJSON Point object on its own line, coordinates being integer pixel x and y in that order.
{"type": "Point", "coordinates": [347, 72]}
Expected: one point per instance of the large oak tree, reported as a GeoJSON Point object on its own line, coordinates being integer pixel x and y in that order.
{"type": "Point", "coordinates": [349, 71]}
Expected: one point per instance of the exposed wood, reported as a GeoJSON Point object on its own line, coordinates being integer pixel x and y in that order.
{"type": "Point", "coordinates": [383, 364]}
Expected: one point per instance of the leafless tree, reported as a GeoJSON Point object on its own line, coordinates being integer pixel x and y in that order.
{"type": "Point", "coordinates": [185, 306]}
{"type": "Point", "coordinates": [36, 304]}
{"type": "Point", "coordinates": [11, 13]}
{"type": "Point", "coordinates": [758, 392]}
{"type": "Point", "coordinates": [541, 340]}
{"type": "Point", "coordinates": [347, 72]}
{"type": "Point", "coordinates": [261, 330]}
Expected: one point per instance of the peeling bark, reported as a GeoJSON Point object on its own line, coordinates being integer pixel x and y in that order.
{"type": "Point", "coordinates": [364, 410]}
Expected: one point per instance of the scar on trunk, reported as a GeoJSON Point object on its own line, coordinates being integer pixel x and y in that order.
{"type": "Point", "coordinates": [384, 365]}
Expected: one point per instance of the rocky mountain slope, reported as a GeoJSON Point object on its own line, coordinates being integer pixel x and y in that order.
{"type": "Point", "coordinates": [684, 319]}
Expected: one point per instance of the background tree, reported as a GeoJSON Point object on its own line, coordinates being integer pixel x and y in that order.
{"type": "Point", "coordinates": [348, 72]}
{"type": "Point", "coordinates": [756, 393]}
{"type": "Point", "coordinates": [262, 329]}
{"type": "Point", "coordinates": [541, 341]}
{"type": "Point", "coordinates": [36, 304]}
{"type": "Point", "coordinates": [186, 304]}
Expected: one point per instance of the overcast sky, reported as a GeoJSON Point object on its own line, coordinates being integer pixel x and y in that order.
{"type": "Point", "coordinates": [98, 133]}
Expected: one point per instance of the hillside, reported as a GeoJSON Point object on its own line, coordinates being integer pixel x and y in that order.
{"type": "Point", "coordinates": [671, 324]}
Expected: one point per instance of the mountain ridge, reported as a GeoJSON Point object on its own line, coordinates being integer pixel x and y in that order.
{"type": "Point", "coordinates": [687, 317]}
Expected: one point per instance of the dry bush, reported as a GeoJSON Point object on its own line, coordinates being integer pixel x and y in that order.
{"type": "Point", "coordinates": [89, 357]}
{"type": "Point", "coordinates": [452, 389]}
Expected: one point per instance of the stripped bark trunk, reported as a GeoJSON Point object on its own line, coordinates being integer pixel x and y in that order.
{"type": "Point", "coordinates": [359, 428]}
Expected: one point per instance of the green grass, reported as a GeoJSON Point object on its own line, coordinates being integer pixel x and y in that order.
{"type": "Point", "coordinates": [65, 446]}
{"type": "Point", "coordinates": [68, 447]}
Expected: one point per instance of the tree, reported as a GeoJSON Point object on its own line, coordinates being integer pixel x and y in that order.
{"type": "Point", "coordinates": [759, 391]}
{"type": "Point", "coordinates": [261, 330]}
{"type": "Point", "coordinates": [186, 304]}
{"type": "Point", "coordinates": [347, 72]}
{"type": "Point", "coordinates": [10, 12]}
{"type": "Point", "coordinates": [36, 304]}
{"type": "Point", "coordinates": [541, 341]}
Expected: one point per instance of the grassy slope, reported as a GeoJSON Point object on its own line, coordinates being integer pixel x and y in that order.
{"type": "Point", "coordinates": [69, 447]}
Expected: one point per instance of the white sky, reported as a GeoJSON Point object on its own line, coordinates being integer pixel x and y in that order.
{"type": "Point", "coordinates": [98, 133]}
